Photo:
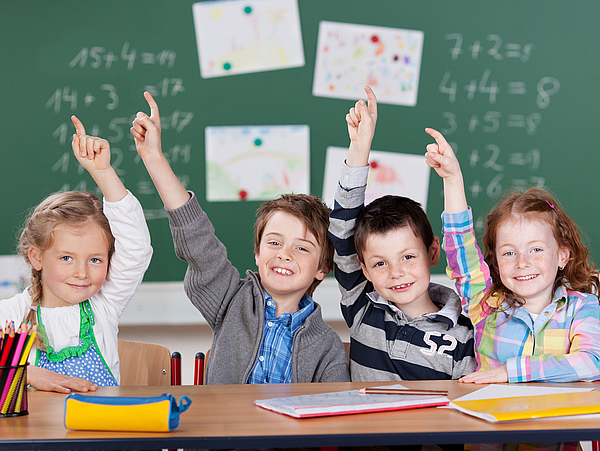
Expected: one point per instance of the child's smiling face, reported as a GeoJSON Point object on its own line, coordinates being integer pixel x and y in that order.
{"type": "Point", "coordinates": [528, 259]}
{"type": "Point", "coordinates": [288, 258]}
{"type": "Point", "coordinates": [399, 265]}
{"type": "Point", "coordinates": [74, 267]}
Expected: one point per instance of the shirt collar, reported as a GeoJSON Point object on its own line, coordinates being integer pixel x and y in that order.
{"type": "Point", "coordinates": [291, 320]}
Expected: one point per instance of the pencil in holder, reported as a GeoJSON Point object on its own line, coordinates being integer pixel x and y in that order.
{"type": "Point", "coordinates": [13, 390]}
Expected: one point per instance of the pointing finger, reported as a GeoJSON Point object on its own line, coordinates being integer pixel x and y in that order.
{"type": "Point", "coordinates": [439, 138]}
{"type": "Point", "coordinates": [78, 125]}
{"type": "Point", "coordinates": [153, 105]}
{"type": "Point", "coordinates": [372, 100]}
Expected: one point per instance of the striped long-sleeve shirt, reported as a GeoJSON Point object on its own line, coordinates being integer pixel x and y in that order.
{"type": "Point", "coordinates": [384, 343]}
{"type": "Point", "coordinates": [561, 345]}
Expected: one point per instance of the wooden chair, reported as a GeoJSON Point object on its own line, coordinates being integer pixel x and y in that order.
{"type": "Point", "coordinates": [144, 363]}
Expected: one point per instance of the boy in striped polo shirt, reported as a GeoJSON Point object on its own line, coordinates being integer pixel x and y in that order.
{"type": "Point", "coordinates": [402, 327]}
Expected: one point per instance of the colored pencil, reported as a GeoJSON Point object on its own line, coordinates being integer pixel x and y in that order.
{"type": "Point", "coordinates": [396, 391]}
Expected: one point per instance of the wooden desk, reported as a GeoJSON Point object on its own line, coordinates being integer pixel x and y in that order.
{"type": "Point", "coordinates": [224, 417]}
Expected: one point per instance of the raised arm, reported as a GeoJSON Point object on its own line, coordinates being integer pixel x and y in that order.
{"type": "Point", "coordinates": [93, 154]}
{"type": "Point", "coordinates": [441, 158]}
{"type": "Point", "coordinates": [146, 131]}
{"type": "Point", "coordinates": [349, 200]}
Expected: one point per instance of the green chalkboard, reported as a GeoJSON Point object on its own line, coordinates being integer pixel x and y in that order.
{"type": "Point", "coordinates": [513, 83]}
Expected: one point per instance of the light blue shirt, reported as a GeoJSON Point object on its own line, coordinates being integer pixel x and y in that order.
{"type": "Point", "coordinates": [274, 362]}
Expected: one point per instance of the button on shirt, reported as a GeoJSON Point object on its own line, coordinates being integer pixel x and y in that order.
{"type": "Point", "coordinates": [274, 362]}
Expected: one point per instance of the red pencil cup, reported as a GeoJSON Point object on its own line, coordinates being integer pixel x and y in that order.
{"type": "Point", "coordinates": [13, 390]}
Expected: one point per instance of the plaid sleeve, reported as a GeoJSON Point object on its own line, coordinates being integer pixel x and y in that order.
{"type": "Point", "coordinates": [577, 329]}
{"type": "Point", "coordinates": [465, 262]}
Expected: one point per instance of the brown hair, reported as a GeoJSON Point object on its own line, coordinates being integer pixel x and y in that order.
{"type": "Point", "coordinates": [71, 208]}
{"type": "Point", "coordinates": [389, 213]}
{"type": "Point", "coordinates": [579, 274]}
{"type": "Point", "coordinates": [313, 213]}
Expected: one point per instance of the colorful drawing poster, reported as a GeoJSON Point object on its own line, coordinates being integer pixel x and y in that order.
{"type": "Point", "coordinates": [238, 37]}
{"type": "Point", "coordinates": [390, 173]}
{"type": "Point", "coordinates": [351, 56]}
{"type": "Point", "coordinates": [256, 163]}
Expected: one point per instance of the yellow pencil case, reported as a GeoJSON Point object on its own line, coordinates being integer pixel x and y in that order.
{"type": "Point", "coordinates": [122, 413]}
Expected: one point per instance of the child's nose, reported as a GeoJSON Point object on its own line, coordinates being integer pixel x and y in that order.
{"type": "Point", "coordinates": [285, 254]}
{"type": "Point", "coordinates": [397, 270]}
{"type": "Point", "coordinates": [522, 261]}
{"type": "Point", "coordinates": [81, 270]}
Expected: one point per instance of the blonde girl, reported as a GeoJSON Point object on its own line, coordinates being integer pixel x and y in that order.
{"type": "Point", "coordinates": [87, 259]}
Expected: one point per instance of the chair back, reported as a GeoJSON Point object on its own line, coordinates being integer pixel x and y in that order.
{"type": "Point", "coordinates": [144, 363]}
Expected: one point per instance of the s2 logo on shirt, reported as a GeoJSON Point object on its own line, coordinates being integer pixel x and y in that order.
{"type": "Point", "coordinates": [433, 346]}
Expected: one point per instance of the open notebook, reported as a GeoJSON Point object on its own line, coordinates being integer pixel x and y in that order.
{"type": "Point", "coordinates": [348, 402]}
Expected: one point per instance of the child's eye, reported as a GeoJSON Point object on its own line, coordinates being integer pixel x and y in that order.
{"type": "Point", "coordinates": [378, 264]}
{"type": "Point", "coordinates": [409, 257]}
{"type": "Point", "coordinates": [66, 258]}
{"type": "Point", "coordinates": [508, 254]}
{"type": "Point", "coordinates": [536, 249]}
{"type": "Point", "coordinates": [303, 249]}
{"type": "Point", "coordinates": [273, 243]}
{"type": "Point", "coordinates": [95, 260]}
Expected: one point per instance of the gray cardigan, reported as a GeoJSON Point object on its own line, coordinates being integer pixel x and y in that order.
{"type": "Point", "coordinates": [234, 309]}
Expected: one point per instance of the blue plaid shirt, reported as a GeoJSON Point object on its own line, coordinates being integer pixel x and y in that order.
{"type": "Point", "coordinates": [274, 363]}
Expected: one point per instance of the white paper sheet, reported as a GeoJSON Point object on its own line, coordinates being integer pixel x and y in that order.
{"type": "Point", "coordinates": [350, 56]}
{"type": "Point", "coordinates": [237, 37]}
{"type": "Point", "coordinates": [390, 173]}
{"type": "Point", "coordinates": [256, 162]}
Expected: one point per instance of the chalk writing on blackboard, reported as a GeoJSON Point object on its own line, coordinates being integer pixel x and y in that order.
{"type": "Point", "coordinates": [490, 169]}
{"type": "Point", "coordinates": [76, 96]}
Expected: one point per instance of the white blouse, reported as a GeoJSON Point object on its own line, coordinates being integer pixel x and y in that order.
{"type": "Point", "coordinates": [127, 267]}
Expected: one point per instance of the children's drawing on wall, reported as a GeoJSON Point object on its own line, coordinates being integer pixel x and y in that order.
{"type": "Point", "coordinates": [351, 56]}
{"type": "Point", "coordinates": [237, 37]}
{"type": "Point", "coordinates": [391, 173]}
{"type": "Point", "coordinates": [256, 162]}
{"type": "Point", "coordinates": [14, 275]}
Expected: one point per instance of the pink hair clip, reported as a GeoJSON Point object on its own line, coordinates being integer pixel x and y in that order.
{"type": "Point", "coordinates": [551, 206]}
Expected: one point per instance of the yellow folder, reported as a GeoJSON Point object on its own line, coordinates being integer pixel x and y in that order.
{"type": "Point", "coordinates": [531, 407]}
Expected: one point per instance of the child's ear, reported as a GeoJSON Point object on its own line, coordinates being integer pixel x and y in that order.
{"type": "Point", "coordinates": [564, 255]}
{"type": "Point", "coordinates": [322, 273]}
{"type": "Point", "coordinates": [256, 259]}
{"type": "Point", "coordinates": [435, 251]}
{"type": "Point", "coordinates": [364, 270]}
{"type": "Point", "coordinates": [35, 257]}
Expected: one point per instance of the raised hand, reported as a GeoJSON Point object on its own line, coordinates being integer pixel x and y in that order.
{"type": "Point", "coordinates": [440, 155]}
{"type": "Point", "coordinates": [441, 158]}
{"type": "Point", "coordinates": [146, 133]}
{"type": "Point", "coordinates": [361, 120]}
{"type": "Point", "coordinates": [146, 130]}
{"type": "Point", "coordinates": [91, 151]}
{"type": "Point", "coordinates": [94, 155]}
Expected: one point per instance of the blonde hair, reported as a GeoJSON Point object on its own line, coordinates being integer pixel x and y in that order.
{"type": "Point", "coordinates": [312, 212]}
{"type": "Point", "coordinates": [579, 273]}
{"type": "Point", "coordinates": [70, 208]}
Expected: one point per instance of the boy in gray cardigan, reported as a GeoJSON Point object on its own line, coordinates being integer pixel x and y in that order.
{"type": "Point", "coordinates": [266, 327]}
{"type": "Point", "coordinates": [402, 327]}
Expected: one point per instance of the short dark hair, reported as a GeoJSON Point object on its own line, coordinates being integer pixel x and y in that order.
{"type": "Point", "coordinates": [389, 213]}
{"type": "Point", "coordinates": [313, 213]}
